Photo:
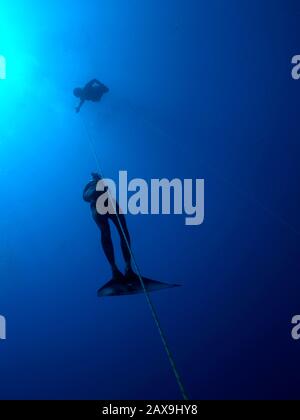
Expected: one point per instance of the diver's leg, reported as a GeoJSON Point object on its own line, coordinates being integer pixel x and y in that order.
{"type": "Point", "coordinates": [107, 244]}
{"type": "Point", "coordinates": [125, 243]}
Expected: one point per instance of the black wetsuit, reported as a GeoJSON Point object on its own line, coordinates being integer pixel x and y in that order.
{"type": "Point", "coordinates": [94, 91]}
{"type": "Point", "coordinates": [91, 196]}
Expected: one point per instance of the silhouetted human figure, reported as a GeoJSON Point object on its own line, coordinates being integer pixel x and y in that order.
{"type": "Point", "coordinates": [93, 91]}
{"type": "Point", "coordinates": [91, 196]}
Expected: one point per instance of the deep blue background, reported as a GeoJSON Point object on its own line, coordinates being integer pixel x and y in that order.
{"type": "Point", "coordinates": [198, 89]}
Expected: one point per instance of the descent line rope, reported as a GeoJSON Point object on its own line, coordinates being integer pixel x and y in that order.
{"type": "Point", "coordinates": [138, 271]}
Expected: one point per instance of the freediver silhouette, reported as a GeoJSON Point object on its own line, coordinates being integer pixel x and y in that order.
{"type": "Point", "coordinates": [130, 283]}
{"type": "Point", "coordinates": [92, 91]}
{"type": "Point", "coordinates": [91, 196]}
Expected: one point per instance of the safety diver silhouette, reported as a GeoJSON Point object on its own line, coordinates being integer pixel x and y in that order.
{"type": "Point", "coordinates": [93, 91]}
{"type": "Point", "coordinates": [91, 196]}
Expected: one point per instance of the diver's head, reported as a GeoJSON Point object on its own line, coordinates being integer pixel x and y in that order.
{"type": "Point", "coordinates": [78, 92]}
{"type": "Point", "coordinates": [96, 177]}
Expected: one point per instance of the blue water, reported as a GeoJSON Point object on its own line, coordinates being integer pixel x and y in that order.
{"type": "Point", "coordinates": [198, 90]}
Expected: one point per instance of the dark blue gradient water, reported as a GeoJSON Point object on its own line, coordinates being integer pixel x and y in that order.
{"type": "Point", "coordinates": [198, 90]}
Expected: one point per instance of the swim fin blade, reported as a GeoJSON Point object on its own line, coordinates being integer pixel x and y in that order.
{"type": "Point", "coordinates": [132, 286]}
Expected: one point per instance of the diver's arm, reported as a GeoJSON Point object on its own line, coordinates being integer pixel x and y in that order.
{"type": "Point", "coordinates": [78, 108]}
{"type": "Point", "coordinates": [87, 187]}
{"type": "Point", "coordinates": [89, 191]}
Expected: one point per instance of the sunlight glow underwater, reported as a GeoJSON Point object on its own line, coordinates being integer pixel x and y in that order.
{"type": "Point", "coordinates": [18, 63]}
